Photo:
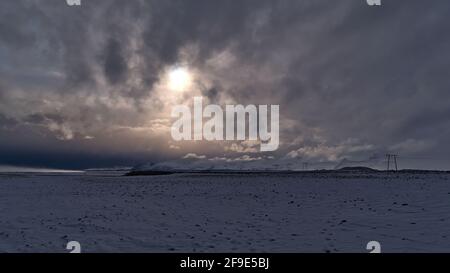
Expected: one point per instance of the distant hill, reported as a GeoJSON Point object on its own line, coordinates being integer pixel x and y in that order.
{"type": "Point", "coordinates": [357, 169]}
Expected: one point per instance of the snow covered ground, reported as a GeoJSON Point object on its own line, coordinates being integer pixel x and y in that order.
{"type": "Point", "coordinates": [222, 213]}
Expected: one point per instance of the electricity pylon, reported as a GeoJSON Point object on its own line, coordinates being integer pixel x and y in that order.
{"type": "Point", "coordinates": [305, 166]}
{"type": "Point", "coordinates": [394, 159]}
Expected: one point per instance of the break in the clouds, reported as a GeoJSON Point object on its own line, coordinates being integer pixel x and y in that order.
{"type": "Point", "coordinates": [88, 86]}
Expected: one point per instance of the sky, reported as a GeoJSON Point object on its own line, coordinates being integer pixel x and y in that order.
{"type": "Point", "coordinates": [91, 85]}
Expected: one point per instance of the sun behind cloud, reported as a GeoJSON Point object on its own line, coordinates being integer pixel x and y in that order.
{"type": "Point", "coordinates": [180, 79]}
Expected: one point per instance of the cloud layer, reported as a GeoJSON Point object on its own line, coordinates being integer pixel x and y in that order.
{"type": "Point", "coordinates": [85, 86]}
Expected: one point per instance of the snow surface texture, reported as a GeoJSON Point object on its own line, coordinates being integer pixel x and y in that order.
{"type": "Point", "coordinates": [307, 212]}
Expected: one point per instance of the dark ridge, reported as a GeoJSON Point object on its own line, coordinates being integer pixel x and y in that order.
{"type": "Point", "coordinates": [412, 171]}
{"type": "Point", "coordinates": [357, 169]}
{"type": "Point", "coordinates": [346, 170]}
{"type": "Point", "coordinates": [148, 173]}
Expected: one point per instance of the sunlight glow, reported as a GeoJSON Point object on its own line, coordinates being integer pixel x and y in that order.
{"type": "Point", "coordinates": [179, 79]}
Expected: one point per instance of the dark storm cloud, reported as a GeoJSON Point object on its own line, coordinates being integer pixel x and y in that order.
{"type": "Point", "coordinates": [373, 73]}
{"type": "Point", "coordinates": [212, 24]}
{"type": "Point", "coordinates": [351, 80]}
{"type": "Point", "coordinates": [6, 122]}
{"type": "Point", "coordinates": [114, 63]}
